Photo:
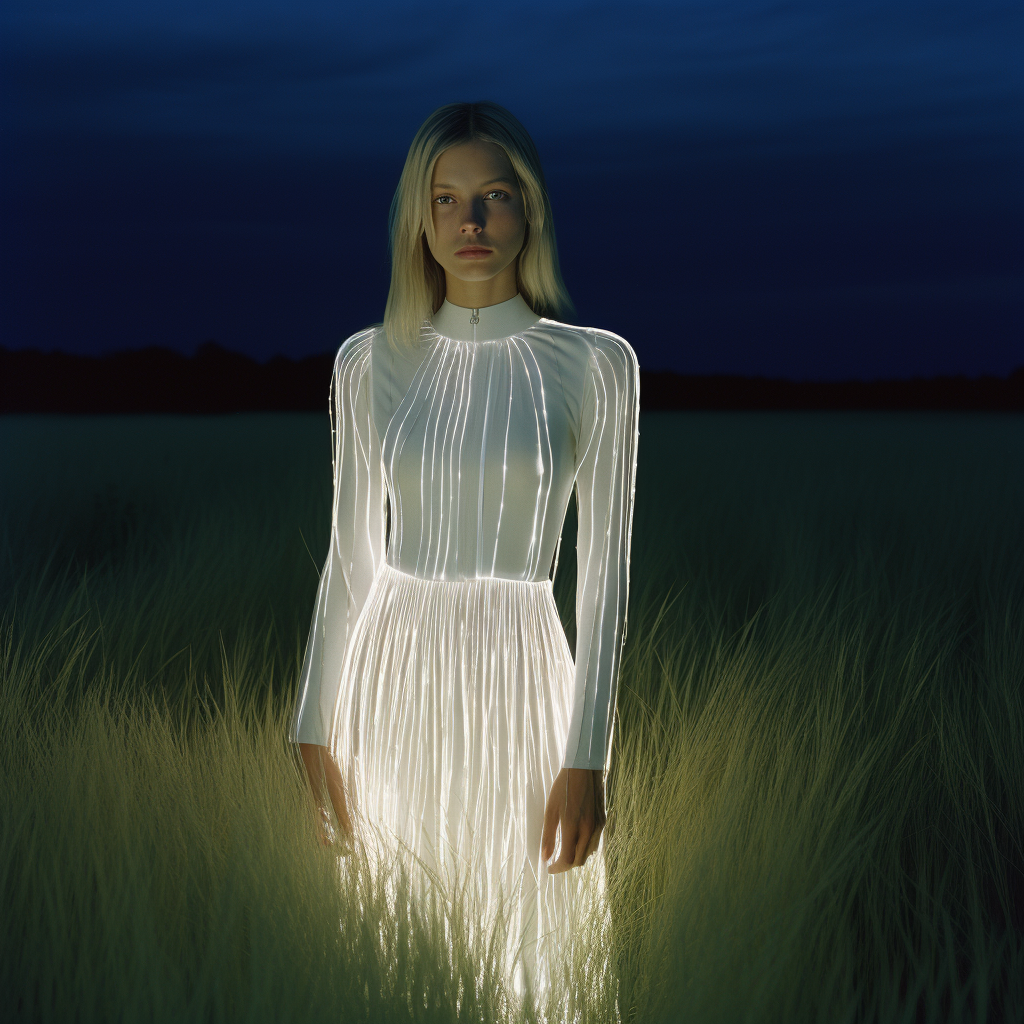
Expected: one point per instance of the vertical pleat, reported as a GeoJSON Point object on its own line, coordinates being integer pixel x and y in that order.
{"type": "Point", "coordinates": [450, 725]}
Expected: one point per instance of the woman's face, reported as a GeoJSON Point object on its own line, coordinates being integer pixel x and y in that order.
{"type": "Point", "coordinates": [476, 201]}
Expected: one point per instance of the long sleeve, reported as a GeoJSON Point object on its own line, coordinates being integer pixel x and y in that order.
{"type": "Point", "coordinates": [605, 481]}
{"type": "Point", "coordinates": [357, 540]}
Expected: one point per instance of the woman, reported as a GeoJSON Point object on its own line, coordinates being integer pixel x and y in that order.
{"type": "Point", "coordinates": [438, 696]}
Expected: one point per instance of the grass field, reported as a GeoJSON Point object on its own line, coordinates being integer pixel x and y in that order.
{"type": "Point", "coordinates": [817, 797]}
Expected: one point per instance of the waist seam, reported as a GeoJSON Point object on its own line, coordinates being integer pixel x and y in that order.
{"type": "Point", "coordinates": [385, 565]}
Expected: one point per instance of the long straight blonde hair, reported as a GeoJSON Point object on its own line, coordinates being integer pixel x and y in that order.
{"type": "Point", "coordinates": [417, 279]}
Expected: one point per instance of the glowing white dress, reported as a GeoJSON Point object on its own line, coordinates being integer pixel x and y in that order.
{"type": "Point", "coordinates": [437, 668]}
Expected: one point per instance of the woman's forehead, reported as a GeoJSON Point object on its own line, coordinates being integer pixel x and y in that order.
{"type": "Point", "coordinates": [469, 162]}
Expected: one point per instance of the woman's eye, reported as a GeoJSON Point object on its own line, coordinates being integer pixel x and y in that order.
{"type": "Point", "coordinates": [440, 200]}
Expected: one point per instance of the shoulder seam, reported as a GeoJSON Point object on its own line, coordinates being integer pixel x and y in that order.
{"type": "Point", "coordinates": [352, 346]}
{"type": "Point", "coordinates": [592, 332]}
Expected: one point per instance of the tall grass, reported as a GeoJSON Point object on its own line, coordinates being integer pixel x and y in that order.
{"type": "Point", "coordinates": [817, 793]}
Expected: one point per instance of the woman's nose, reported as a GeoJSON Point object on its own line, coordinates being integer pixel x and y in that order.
{"type": "Point", "coordinates": [474, 217]}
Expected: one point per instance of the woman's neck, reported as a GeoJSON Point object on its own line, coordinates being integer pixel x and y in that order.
{"type": "Point", "coordinates": [477, 294]}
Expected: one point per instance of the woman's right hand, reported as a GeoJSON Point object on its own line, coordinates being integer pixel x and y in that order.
{"type": "Point", "coordinates": [322, 771]}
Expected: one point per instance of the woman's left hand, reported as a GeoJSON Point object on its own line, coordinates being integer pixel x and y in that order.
{"type": "Point", "coordinates": [576, 803]}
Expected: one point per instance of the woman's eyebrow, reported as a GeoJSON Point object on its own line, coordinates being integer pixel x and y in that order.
{"type": "Point", "coordinates": [504, 181]}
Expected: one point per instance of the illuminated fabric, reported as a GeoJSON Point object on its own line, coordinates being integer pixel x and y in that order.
{"type": "Point", "coordinates": [437, 669]}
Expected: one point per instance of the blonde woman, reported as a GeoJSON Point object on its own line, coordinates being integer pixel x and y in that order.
{"type": "Point", "coordinates": [438, 697]}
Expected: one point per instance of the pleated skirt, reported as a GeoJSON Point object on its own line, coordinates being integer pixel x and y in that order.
{"type": "Point", "coordinates": [449, 728]}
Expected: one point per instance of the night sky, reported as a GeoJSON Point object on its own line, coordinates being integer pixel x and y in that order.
{"type": "Point", "coordinates": [807, 190]}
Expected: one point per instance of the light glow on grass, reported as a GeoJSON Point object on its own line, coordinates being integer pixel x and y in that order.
{"type": "Point", "coordinates": [816, 790]}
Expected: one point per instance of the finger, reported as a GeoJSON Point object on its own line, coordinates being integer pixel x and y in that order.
{"type": "Point", "coordinates": [567, 855]}
{"type": "Point", "coordinates": [583, 843]}
{"type": "Point", "coordinates": [551, 813]}
{"type": "Point", "coordinates": [597, 825]}
{"type": "Point", "coordinates": [595, 841]}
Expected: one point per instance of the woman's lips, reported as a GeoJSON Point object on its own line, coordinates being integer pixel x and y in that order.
{"type": "Point", "coordinates": [474, 254]}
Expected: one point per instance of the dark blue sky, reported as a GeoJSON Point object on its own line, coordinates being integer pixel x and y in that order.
{"type": "Point", "coordinates": [811, 190]}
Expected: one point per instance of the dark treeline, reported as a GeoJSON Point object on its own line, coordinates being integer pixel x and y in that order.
{"type": "Point", "coordinates": [157, 380]}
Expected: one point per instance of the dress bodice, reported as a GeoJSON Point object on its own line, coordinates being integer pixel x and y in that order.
{"type": "Point", "coordinates": [479, 442]}
{"type": "Point", "coordinates": [474, 438]}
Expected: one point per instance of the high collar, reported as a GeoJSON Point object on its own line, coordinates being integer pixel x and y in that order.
{"type": "Point", "coordinates": [502, 320]}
